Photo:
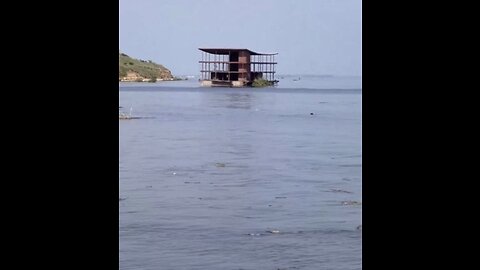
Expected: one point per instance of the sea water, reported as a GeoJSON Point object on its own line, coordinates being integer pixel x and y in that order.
{"type": "Point", "coordinates": [241, 178]}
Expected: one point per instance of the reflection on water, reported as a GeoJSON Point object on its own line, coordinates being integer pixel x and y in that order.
{"type": "Point", "coordinates": [230, 100]}
{"type": "Point", "coordinates": [238, 101]}
{"type": "Point", "coordinates": [234, 179]}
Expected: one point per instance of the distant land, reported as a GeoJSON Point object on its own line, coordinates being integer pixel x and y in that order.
{"type": "Point", "coordinates": [138, 70]}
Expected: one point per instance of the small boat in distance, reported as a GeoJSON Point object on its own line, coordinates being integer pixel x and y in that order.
{"type": "Point", "coordinates": [125, 116]}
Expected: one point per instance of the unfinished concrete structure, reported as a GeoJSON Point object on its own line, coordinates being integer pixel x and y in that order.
{"type": "Point", "coordinates": [235, 67]}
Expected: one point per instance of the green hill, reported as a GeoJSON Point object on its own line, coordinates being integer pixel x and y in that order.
{"type": "Point", "coordinates": [131, 69]}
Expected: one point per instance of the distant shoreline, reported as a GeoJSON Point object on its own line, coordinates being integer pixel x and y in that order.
{"type": "Point", "coordinates": [149, 80]}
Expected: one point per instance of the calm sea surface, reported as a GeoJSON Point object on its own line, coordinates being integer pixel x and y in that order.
{"type": "Point", "coordinates": [226, 178]}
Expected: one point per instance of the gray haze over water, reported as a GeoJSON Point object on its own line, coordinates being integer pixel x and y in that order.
{"type": "Point", "coordinates": [208, 172]}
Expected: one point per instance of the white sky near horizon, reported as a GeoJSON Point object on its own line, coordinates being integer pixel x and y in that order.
{"type": "Point", "coordinates": [322, 37]}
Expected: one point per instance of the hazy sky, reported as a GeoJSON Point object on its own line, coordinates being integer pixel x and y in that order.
{"type": "Point", "coordinates": [311, 36]}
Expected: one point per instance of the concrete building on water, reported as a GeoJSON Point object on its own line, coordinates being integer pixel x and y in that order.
{"type": "Point", "coordinates": [235, 67]}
